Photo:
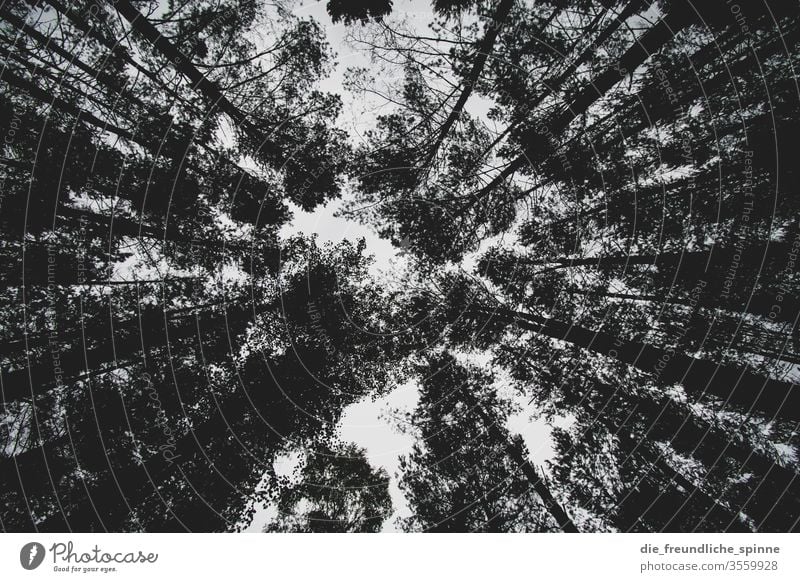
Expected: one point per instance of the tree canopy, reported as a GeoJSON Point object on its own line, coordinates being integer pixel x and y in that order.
{"type": "Point", "coordinates": [595, 292]}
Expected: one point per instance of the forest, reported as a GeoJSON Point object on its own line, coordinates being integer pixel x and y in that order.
{"type": "Point", "coordinates": [592, 291]}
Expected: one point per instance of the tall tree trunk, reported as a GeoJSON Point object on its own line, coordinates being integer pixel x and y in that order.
{"type": "Point", "coordinates": [73, 334]}
{"type": "Point", "coordinates": [649, 43]}
{"type": "Point", "coordinates": [773, 500]}
{"type": "Point", "coordinates": [124, 488]}
{"type": "Point", "coordinates": [694, 261]}
{"type": "Point", "coordinates": [515, 449]}
{"type": "Point", "coordinates": [553, 85]}
{"type": "Point", "coordinates": [663, 500]}
{"type": "Point", "coordinates": [111, 45]}
{"type": "Point", "coordinates": [704, 266]}
{"type": "Point", "coordinates": [760, 304]}
{"type": "Point", "coordinates": [182, 64]}
{"type": "Point", "coordinates": [647, 114]}
{"type": "Point", "coordinates": [23, 84]}
{"type": "Point", "coordinates": [51, 45]}
{"type": "Point", "coordinates": [77, 362]}
{"type": "Point", "coordinates": [735, 385]}
{"type": "Point", "coordinates": [774, 496]}
{"type": "Point", "coordinates": [123, 226]}
{"type": "Point", "coordinates": [482, 52]}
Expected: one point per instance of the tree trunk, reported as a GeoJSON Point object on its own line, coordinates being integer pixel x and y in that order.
{"type": "Point", "coordinates": [515, 449]}
{"type": "Point", "coordinates": [53, 101]}
{"type": "Point", "coordinates": [482, 52]}
{"type": "Point", "coordinates": [77, 362]}
{"type": "Point", "coordinates": [113, 46]}
{"type": "Point", "coordinates": [555, 84]}
{"type": "Point", "coordinates": [649, 43]}
{"type": "Point", "coordinates": [694, 261]}
{"type": "Point", "coordinates": [773, 500]}
{"type": "Point", "coordinates": [182, 64]}
{"type": "Point", "coordinates": [734, 385]}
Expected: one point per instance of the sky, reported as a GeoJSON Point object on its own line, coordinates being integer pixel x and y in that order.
{"type": "Point", "coordinates": [373, 425]}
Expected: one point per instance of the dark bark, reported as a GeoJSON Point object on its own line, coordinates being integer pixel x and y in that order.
{"type": "Point", "coordinates": [650, 42]}
{"type": "Point", "coordinates": [482, 52]}
{"type": "Point", "coordinates": [773, 500]}
{"type": "Point", "coordinates": [23, 84]}
{"type": "Point", "coordinates": [51, 45]}
{"type": "Point", "coordinates": [555, 84]}
{"type": "Point", "coordinates": [78, 361]}
{"type": "Point", "coordinates": [515, 449]}
{"type": "Point", "coordinates": [112, 45]}
{"type": "Point", "coordinates": [181, 63]}
{"type": "Point", "coordinates": [734, 385]}
{"type": "Point", "coordinates": [695, 261]}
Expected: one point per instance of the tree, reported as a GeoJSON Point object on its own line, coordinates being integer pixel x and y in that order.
{"type": "Point", "coordinates": [363, 11]}
{"type": "Point", "coordinates": [194, 404]}
{"type": "Point", "coordinates": [466, 473]}
{"type": "Point", "coordinates": [595, 196]}
{"type": "Point", "coordinates": [338, 492]}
